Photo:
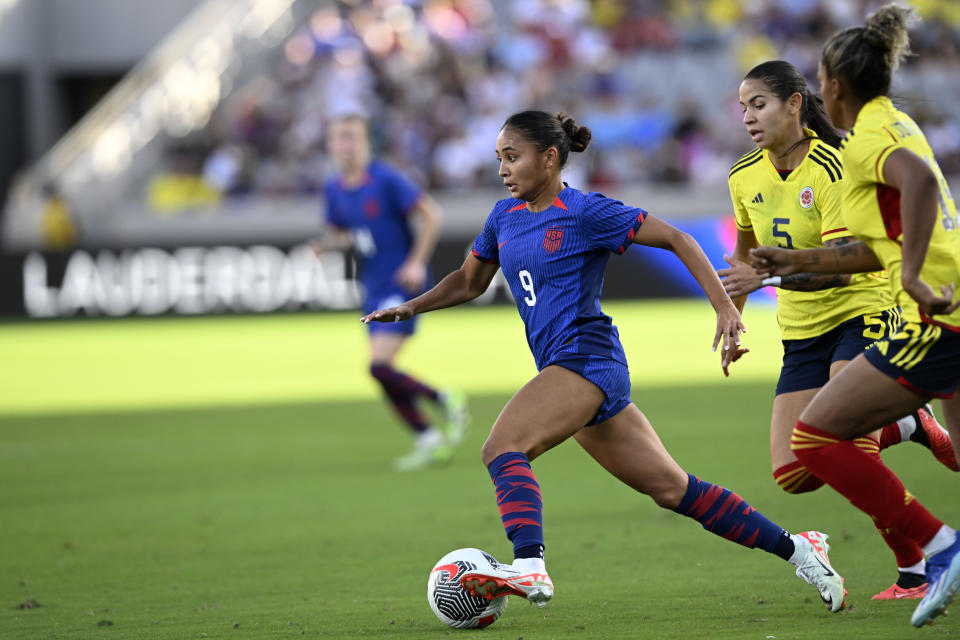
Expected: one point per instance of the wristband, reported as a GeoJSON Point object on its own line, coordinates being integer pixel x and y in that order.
{"type": "Point", "coordinates": [773, 281]}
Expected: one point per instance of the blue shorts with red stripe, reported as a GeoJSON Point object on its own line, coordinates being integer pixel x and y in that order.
{"type": "Point", "coordinates": [922, 357]}
{"type": "Point", "coordinates": [611, 376]}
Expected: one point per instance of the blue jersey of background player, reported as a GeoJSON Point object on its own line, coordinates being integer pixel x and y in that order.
{"type": "Point", "coordinates": [377, 213]}
{"type": "Point", "coordinates": [371, 207]}
{"type": "Point", "coordinates": [554, 262]}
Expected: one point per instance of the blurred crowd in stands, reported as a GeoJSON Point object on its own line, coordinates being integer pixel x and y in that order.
{"type": "Point", "coordinates": [655, 80]}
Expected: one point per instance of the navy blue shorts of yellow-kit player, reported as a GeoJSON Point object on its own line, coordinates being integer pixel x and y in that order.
{"type": "Point", "coordinates": [385, 300]}
{"type": "Point", "coordinates": [924, 358]}
{"type": "Point", "coordinates": [611, 376]}
{"type": "Point", "coordinates": [806, 363]}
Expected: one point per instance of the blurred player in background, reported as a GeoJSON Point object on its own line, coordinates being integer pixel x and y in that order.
{"type": "Point", "coordinates": [787, 192]}
{"type": "Point", "coordinates": [552, 243]}
{"type": "Point", "coordinates": [896, 201]}
{"type": "Point", "coordinates": [371, 207]}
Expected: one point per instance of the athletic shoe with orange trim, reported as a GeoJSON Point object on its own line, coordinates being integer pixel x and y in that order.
{"type": "Point", "coordinates": [813, 565]}
{"type": "Point", "coordinates": [894, 592]}
{"type": "Point", "coordinates": [509, 580]}
{"type": "Point", "coordinates": [940, 444]}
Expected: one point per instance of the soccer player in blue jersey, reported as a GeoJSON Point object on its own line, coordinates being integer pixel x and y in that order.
{"type": "Point", "coordinates": [552, 243]}
{"type": "Point", "coordinates": [371, 207]}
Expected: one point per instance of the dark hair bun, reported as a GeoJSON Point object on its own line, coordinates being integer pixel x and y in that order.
{"type": "Point", "coordinates": [886, 30]}
{"type": "Point", "coordinates": [579, 136]}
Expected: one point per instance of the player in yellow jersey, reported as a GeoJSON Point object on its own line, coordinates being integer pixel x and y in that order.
{"type": "Point", "coordinates": [896, 201]}
{"type": "Point", "coordinates": [787, 192]}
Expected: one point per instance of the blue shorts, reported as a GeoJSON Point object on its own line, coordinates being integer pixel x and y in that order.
{"type": "Point", "coordinates": [806, 363]}
{"type": "Point", "coordinates": [922, 357]}
{"type": "Point", "coordinates": [385, 301]}
{"type": "Point", "coordinates": [611, 376]}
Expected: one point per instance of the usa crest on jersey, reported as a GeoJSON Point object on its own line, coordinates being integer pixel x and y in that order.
{"type": "Point", "coordinates": [552, 239]}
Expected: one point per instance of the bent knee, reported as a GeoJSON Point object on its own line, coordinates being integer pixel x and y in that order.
{"type": "Point", "coordinates": [380, 371]}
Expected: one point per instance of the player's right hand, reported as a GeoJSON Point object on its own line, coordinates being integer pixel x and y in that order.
{"type": "Point", "coordinates": [772, 261]}
{"type": "Point", "coordinates": [740, 279]}
{"type": "Point", "coordinates": [393, 314]}
{"type": "Point", "coordinates": [929, 302]}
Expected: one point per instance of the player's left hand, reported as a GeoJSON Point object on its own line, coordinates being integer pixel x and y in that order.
{"type": "Point", "coordinates": [929, 302]}
{"type": "Point", "coordinates": [393, 314]}
{"type": "Point", "coordinates": [740, 279]}
{"type": "Point", "coordinates": [729, 328]}
{"type": "Point", "coordinates": [412, 276]}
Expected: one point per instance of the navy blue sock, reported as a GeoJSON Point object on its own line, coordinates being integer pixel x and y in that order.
{"type": "Point", "coordinates": [519, 501]}
{"type": "Point", "coordinates": [726, 514]}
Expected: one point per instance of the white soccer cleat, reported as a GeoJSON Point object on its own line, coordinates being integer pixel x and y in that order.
{"type": "Point", "coordinates": [430, 450]}
{"type": "Point", "coordinates": [813, 565]}
{"type": "Point", "coordinates": [509, 580]}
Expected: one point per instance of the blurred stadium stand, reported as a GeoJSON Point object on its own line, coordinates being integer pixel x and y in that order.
{"type": "Point", "coordinates": [215, 136]}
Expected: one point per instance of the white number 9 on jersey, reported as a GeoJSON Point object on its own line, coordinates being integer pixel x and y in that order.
{"type": "Point", "coordinates": [526, 281]}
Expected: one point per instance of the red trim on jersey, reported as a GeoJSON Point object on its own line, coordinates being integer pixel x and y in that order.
{"type": "Point", "coordinates": [888, 199]}
{"type": "Point", "coordinates": [557, 202]}
{"type": "Point", "coordinates": [837, 230]}
{"type": "Point", "coordinates": [921, 392]}
{"type": "Point", "coordinates": [876, 165]}
{"type": "Point", "coordinates": [482, 259]}
{"type": "Point", "coordinates": [928, 320]}
{"type": "Point", "coordinates": [522, 205]}
{"type": "Point", "coordinates": [633, 232]}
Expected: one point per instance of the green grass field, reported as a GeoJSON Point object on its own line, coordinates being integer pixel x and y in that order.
{"type": "Point", "coordinates": [231, 478]}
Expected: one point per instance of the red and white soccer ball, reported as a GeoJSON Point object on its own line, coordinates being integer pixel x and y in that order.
{"type": "Point", "coordinates": [450, 602]}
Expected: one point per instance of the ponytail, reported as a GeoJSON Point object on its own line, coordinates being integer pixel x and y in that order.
{"type": "Point", "coordinates": [867, 56]}
{"type": "Point", "coordinates": [815, 117]}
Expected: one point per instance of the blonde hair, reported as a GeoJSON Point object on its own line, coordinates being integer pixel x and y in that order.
{"type": "Point", "coordinates": [867, 56]}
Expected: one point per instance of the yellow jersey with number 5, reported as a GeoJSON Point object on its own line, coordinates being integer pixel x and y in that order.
{"type": "Point", "coordinates": [802, 211]}
{"type": "Point", "coordinates": [871, 208]}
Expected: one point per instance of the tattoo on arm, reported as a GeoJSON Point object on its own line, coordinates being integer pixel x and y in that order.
{"type": "Point", "coordinates": [817, 281]}
{"type": "Point", "coordinates": [814, 281]}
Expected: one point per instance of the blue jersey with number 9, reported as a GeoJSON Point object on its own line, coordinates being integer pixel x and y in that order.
{"type": "Point", "coordinates": [554, 261]}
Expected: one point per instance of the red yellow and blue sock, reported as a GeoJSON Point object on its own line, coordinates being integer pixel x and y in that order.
{"type": "Point", "coordinates": [865, 481]}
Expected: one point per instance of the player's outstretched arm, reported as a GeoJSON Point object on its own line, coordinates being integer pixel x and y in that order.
{"type": "Point", "coordinates": [854, 257]}
{"type": "Point", "coordinates": [742, 278]}
{"type": "Point", "coordinates": [657, 233]}
{"type": "Point", "coordinates": [463, 285]}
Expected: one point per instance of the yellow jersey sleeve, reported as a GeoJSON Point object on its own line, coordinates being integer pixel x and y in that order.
{"type": "Point", "coordinates": [740, 214]}
{"type": "Point", "coordinates": [871, 207]}
{"type": "Point", "coordinates": [830, 204]}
